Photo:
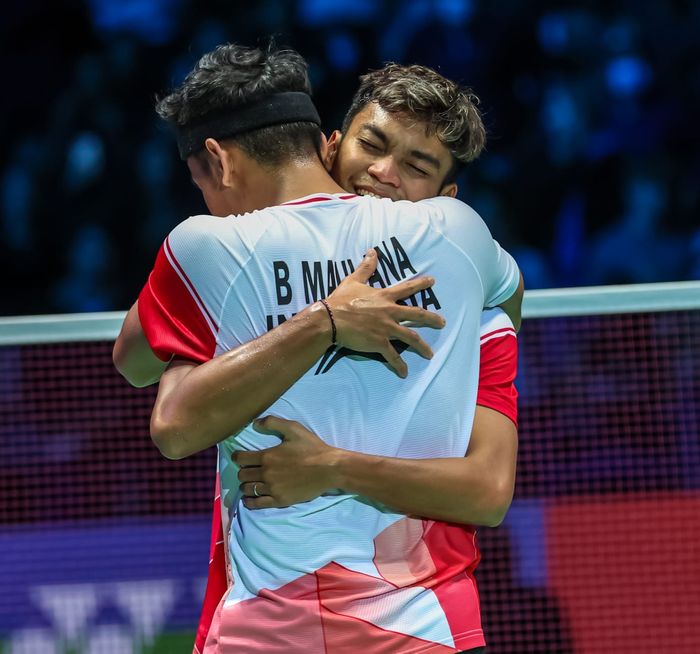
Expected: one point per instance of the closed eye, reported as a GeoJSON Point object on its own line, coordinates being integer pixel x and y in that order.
{"type": "Point", "coordinates": [368, 145]}
{"type": "Point", "coordinates": [420, 171]}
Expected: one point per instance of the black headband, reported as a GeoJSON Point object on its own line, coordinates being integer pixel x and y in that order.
{"type": "Point", "coordinates": [289, 107]}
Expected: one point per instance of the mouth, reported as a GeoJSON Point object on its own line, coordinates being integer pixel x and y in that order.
{"type": "Point", "coordinates": [360, 190]}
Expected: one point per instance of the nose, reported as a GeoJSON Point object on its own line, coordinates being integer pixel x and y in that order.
{"type": "Point", "coordinates": [384, 170]}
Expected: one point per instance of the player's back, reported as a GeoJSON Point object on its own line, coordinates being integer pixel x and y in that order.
{"type": "Point", "coordinates": [270, 264]}
{"type": "Point", "coordinates": [260, 269]}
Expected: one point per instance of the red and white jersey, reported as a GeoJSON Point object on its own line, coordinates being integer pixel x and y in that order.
{"type": "Point", "coordinates": [340, 572]}
{"type": "Point", "coordinates": [498, 368]}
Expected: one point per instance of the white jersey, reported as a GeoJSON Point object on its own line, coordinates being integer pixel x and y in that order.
{"type": "Point", "coordinates": [340, 570]}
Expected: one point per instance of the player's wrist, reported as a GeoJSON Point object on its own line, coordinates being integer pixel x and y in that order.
{"type": "Point", "coordinates": [344, 466]}
{"type": "Point", "coordinates": [327, 465]}
{"type": "Point", "coordinates": [331, 317]}
{"type": "Point", "coordinates": [319, 320]}
{"type": "Point", "coordinates": [332, 465]}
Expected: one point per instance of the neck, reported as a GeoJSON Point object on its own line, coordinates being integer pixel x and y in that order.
{"type": "Point", "coordinates": [305, 178]}
{"type": "Point", "coordinates": [295, 180]}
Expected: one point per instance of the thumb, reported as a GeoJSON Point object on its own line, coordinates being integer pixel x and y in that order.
{"type": "Point", "coordinates": [367, 267]}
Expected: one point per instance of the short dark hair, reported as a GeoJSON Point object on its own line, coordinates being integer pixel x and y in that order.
{"type": "Point", "coordinates": [234, 75]}
{"type": "Point", "coordinates": [448, 110]}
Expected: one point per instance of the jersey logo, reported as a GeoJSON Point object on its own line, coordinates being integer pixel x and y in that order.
{"type": "Point", "coordinates": [334, 354]}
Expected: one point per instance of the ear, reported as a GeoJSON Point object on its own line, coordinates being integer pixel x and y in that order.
{"type": "Point", "coordinates": [323, 149]}
{"type": "Point", "coordinates": [450, 190]}
{"type": "Point", "coordinates": [332, 149]}
{"type": "Point", "coordinates": [222, 163]}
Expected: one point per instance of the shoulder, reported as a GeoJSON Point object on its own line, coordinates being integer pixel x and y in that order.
{"type": "Point", "coordinates": [213, 234]}
{"type": "Point", "coordinates": [455, 219]}
{"type": "Point", "coordinates": [196, 231]}
{"type": "Point", "coordinates": [449, 208]}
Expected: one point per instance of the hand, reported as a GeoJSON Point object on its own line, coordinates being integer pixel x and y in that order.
{"type": "Point", "coordinates": [367, 318]}
{"type": "Point", "coordinates": [298, 470]}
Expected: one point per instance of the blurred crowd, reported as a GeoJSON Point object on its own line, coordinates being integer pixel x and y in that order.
{"type": "Point", "coordinates": [591, 173]}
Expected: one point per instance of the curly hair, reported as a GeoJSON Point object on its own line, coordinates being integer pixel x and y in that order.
{"type": "Point", "coordinates": [448, 110]}
{"type": "Point", "coordinates": [233, 75]}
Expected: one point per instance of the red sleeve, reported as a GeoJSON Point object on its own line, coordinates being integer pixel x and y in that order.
{"type": "Point", "coordinates": [172, 315]}
{"type": "Point", "coordinates": [497, 370]}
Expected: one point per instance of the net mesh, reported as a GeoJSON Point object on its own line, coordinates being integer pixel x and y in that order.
{"type": "Point", "coordinates": [103, 541]}
{"type": "Point", "coordinates": [600, 550]}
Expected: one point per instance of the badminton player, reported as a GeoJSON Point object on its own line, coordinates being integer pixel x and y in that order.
{"type": "Point", "coordinates": [306, 569]}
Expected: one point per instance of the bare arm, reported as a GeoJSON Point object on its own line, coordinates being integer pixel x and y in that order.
{"type": "Point", "coordinates": [198, 406]}
{"type": "Point", "coordinates": [132, 355]}
{"type": "Point", "coordinates": [513, 305]}
{"type": "Point", "coordinates": [475, 489]}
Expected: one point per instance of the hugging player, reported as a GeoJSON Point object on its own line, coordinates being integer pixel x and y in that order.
{"type": "Point", "coordinates": [326, 585]}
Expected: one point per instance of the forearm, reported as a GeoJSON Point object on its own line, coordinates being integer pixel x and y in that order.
{"type": "Point", "coordinates": [208, 403]}
{"type": "Point", "coordinates": [451, 489]}
{"type": "Point", "coordinates": [198, 406]}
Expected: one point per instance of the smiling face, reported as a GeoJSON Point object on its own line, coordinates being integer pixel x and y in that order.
{"type": "Point", "coordinates": [390, 155]}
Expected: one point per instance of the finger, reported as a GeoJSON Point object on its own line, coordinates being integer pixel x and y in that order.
{"type": "Point", "coordinates": [394, 360]}
{"type": "Point", "coordinates": [418, 317]}
{"type": "Point", "coordinates": [413, 340]}
{"type": "Point", "coordinates": [367, 267]}
{"type": "Point", "coordinates": [253, 473]}
{"type": "Point", "coordinates": [249, 489]}
{"type": "Point", "coordinates": [408, 287]}
{"type": "Point", "coordinates": [244, 458]}
{"type": "Point", "coordinates": [275, 426]}
{"type": "Point", "coordinates": [264, 502]}
{"type": "Point", "coordinates": [261, 425]}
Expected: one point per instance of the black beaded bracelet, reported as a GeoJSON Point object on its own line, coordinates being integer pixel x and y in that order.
{"type": "Point", "coordinates": [330, 315]}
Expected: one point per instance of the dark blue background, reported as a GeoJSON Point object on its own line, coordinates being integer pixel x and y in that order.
{"type": "Point", "coordinates": [591, 174]}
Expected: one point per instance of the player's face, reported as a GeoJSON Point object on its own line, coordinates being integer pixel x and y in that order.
{"type": "Point", "coordinates": [390, 155]}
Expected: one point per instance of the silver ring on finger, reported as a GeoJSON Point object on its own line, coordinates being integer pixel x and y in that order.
{"type": "Point", "coordinates": [255, 490]}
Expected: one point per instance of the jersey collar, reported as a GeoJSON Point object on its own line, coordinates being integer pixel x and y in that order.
{"type": "Point", "coordinates": [319, 197]}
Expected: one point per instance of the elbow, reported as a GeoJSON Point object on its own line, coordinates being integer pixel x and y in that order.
{"type": "Point", "coordinates": [121, 363]}
{"type": "Point", "coordinates": [495, 509]}
{"type": "Point", "coordinates": [496, 516]}
{"type": "Point", "coordinates": [179, 432]}
{"type": "Point", "coordinates": [167, 438]}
